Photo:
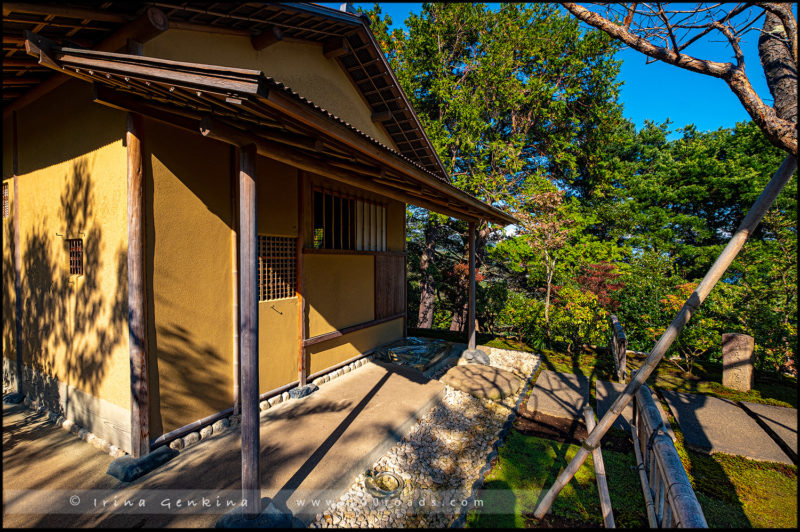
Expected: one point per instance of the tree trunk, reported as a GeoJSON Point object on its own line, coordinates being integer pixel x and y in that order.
{"type": "Point", "coordinates": [779, 67]}
{"type": "Point", "coordinates": [427, 283]}
{"type": "Point", "coordinates": [461, 312]}
{"type": "Point", "coordinates": [551, 266]}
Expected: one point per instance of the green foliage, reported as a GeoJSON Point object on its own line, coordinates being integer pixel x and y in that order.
{"type": "Point", "coordinates": [577, 318]}
{"type": "Point", "coordinates": [522, 315]}
{"type": "Point", "coordinates": [521, 102]}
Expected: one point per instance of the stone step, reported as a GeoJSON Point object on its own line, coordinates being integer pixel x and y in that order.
{"type": "Point", "coordinates": [560, 394]}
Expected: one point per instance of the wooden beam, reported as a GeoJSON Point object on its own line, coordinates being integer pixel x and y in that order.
{"type": "Point", "coordinates": [137, 293]}
{"type": "Point", "coordinates": [61, 11]}
{"type": "Point", "coordinates": [137, 302]}
{"type": "Point", "coordinates": [248, 329]}
{"type": "Point", "coordinates": [7, 81]}
{"type": "Point", "coordinates": [207, 28]}
{"type": "Point", "coordinates": [151, 23]}
{"type": "Point", "coordinates": [12, 62]}
{"type": "Point", "coordinates": [471, 313]}
{"type": "Point", "coordinates": [340, 132]}
{"type": "Point", "coordinates": [235, 266]}
{"type": "Point", "coordinates": [270, 36]}
{"type": "Point", "coordinates": [405, 276]}
{"type": "Point", "coordinates": [334, 47]}
{"type": "Point", "coordinates": [302, 370]}
{"type": "Point", "coordinates": [347, 330]}
{"type": "Point", "coordinates": [225, 133]}
{"type": "Point", "coordinates": [381, 116]}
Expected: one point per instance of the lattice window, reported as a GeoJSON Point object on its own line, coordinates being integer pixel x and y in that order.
{"type": "Point", "coordinates": [5, 200]}
{"type": "Point", "coordinates": [276, 267]}
{"type": "Point", "coordinates": [349, 223]}
{"type": "Point", "coordinates": [75, 246]}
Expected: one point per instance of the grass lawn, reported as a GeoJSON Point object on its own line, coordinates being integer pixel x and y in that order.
{"type": "Point", "coordinates": [733, 491]}
{"type": "Point", "coordinates": [527, 465]}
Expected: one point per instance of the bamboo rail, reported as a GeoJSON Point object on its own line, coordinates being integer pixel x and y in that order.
{"type": "Point", "coordinates": [748, 225]}
{"type": "Point", "coordinates": [671, 501]}
{"type": "Point", "coordinates": [600, 473]}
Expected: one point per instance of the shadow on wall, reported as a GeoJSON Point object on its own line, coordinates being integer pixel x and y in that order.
{"type": "Point", "coordinates": [179, 375]}
{"type": "Point", "coordinates": [9, 343]}
{"type": "Point", "coordinates": [69, 325]}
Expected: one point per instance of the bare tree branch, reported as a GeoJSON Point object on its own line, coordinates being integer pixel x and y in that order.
{"type": "Point", "coordinates": [782, 133]}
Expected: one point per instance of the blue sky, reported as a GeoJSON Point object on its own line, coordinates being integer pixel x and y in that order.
{"type": "Point", "coordinates": [659, 91]}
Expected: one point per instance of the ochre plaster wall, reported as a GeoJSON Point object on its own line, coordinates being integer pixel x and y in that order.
{"type": "Point", "coordinates": [300, 66]}
{"type": "Point", "coordinates": [72, 184]}
{"type": "Point", "coordinates": [277, 319]}
{"type": "Point", "coordinates": [326, 354]}
{"type": "Point", "coordinates": [339, 290]}
{"type": "Point", "coordinates": [189, 240]}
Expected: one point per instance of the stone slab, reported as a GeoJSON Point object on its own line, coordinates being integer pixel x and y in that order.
{"type": "Point", "coordinates": [560, 394]}
{"type": "Point", "coordinates": [482, 381]}
{"type": "Point", "coordinates": [781, 420]}
{"type": "Point", "coordinates": [607, 392]}
{"type": "Point", "coordinates": [712, 425]}
{"type": "Point", "coordinates": [127, 468]}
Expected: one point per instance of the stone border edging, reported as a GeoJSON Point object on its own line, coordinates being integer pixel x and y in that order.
{"type": "Point", "coordinates": [461, 520]}
{"type": "Point", "coordinates": [234, 420]}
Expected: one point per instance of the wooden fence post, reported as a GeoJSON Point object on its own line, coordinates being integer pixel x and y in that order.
{"type": "Point", "coordinates": [600, 473]}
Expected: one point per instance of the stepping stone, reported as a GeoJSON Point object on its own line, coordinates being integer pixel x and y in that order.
{"type": "Point", "coordinates": [782, 421]}
{"type": "Point", "coordinates": [607, 392]}
{"type": "Point", "coordinates": [482, 381]}
{"type": "Point", "coordinates": [712, 425]}
{"type": "Point", "coordinates": [473, 356]}
{"type": "Point", "coordinates": [560, 394]}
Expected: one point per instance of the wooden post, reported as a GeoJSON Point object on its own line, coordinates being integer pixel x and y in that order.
{"type": "Point", "coordinates": [599, 473]}
{"type": "Point", "coordinates": [405, 275]}
{"type": "Point", "coordinates": [471, 313]}
{"type": "Point", "coordinates": [17, 259]}
{"type": "Point", "coordinates": [248, 330]}
{"type": "Point", "coordinates": [237, 397]}
{"type": "Point", "coordinates": [302, 370]}
{"type": "Point", "coordinates": [137, 302]}
{"type": "Point", "coordinates": [748, 225]}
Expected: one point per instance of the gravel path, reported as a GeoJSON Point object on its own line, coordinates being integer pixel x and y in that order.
{"type": "Point", "coordinates": [442, 460]}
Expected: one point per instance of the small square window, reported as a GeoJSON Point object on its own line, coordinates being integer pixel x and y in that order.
{"type": "Point", "coordinates": [75, 246]}
{"type": "Point", "coordinates": [276, 267]}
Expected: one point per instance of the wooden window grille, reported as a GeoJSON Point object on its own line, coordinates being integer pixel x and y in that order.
{"type": "Point", "coordinates": [276, 267]}
{"type": "Point", "coordinates": [348, 223]}
{"type": "Point", "coordinates": [75, 246]}
{"type": "Point", "coordinates": [5, 200]}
